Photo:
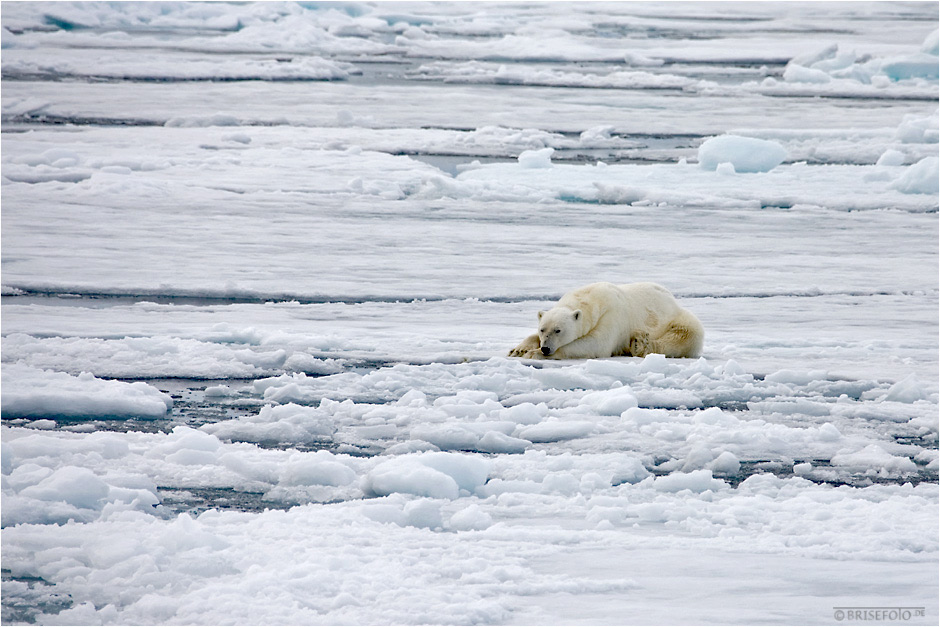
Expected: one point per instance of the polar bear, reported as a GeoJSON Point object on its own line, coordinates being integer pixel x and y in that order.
{"type": "Point", "coordinates": [607, 320]}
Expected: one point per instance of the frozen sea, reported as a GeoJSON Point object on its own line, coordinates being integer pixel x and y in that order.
{"type": "Point", "coordinates": [262, 264]}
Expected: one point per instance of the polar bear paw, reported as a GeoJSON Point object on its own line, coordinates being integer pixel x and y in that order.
{"type": "Point", "coordinates": [641, 345]}
{"type": "Point", "coordinates": [535, 353]}
{"type": "Point", "coordinates": [527, 347]}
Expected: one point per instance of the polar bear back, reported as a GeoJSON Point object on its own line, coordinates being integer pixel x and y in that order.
{"type": "Point", "coordinates": [645, 305]}
{"type": "Point", "coordinates": [653, 303]}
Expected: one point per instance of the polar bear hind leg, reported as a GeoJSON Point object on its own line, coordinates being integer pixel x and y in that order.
{"type": "Point", "coordinates": [682, 337]}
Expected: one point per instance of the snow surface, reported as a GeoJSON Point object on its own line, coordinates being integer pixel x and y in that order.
{"type": "Point", "coordinates": [262, 264]}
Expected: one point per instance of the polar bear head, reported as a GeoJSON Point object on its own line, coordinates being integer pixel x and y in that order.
{"type": "Point", "coordinates": [558, 326]}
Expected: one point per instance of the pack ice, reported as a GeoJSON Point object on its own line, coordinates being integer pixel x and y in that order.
{"type": "Point", "coordinates": [262, 263]}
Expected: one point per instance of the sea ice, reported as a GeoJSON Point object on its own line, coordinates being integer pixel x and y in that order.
{"type": "Point", "coordinates": [435, 475]}
{"type": "Point", "coordinates": [921, 178]}
{"type": "Point", "coordinates": [915, 66]}
{"type": "Point", "coordinates": [30, 392]}
{"type": "Point", "coordinates": [536, 159]}
{"type": "Point", "coordinates": [891, 157]}
{"type": "Point", "coordinates": [746, 154]}
{"type": "Point", "coordinates": [799, 74]}
{"type": "Point", "coordinates": [309, 418]}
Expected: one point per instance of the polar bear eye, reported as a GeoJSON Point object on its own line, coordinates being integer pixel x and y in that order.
{"type": "Point", "coordinates": [557, 330]}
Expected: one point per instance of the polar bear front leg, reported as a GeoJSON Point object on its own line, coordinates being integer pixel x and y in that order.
{"type": "Point", "coordinates": [527, 347]}
{"type": "Point", "coordinates": [585, 347]}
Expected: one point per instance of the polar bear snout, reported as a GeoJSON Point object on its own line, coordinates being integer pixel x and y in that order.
{"type": "Point", "coordinates": [546, 351]}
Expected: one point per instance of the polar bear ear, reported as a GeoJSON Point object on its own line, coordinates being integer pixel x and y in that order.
{"type": "Point", "coordinates": [577, 314]}
{"type": "Point", "coordinates": [541, 313]}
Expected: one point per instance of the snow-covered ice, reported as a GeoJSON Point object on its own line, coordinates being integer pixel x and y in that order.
{"type": "Point", "coordinates": [262, 264]}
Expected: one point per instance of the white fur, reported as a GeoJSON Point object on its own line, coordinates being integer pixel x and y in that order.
{"type": "Point", "coordinates": [607, 320]}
